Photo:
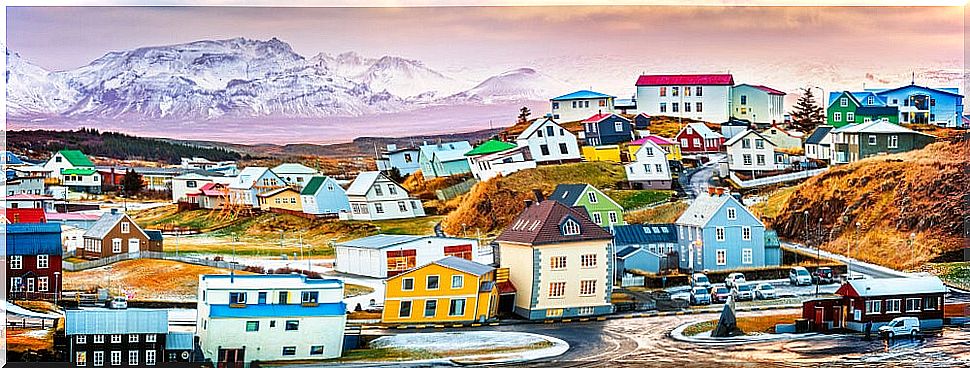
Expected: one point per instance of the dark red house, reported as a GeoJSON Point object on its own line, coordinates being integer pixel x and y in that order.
{"type": "Point", "coordinates": [879, 301]}
{"type": "Point", "coordinates": [698, 138]}
{"type": "Point", "coordinates": [33, 261]}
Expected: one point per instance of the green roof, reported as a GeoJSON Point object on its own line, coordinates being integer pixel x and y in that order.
{"type": "Point", "coordinates": [82, 172]}
{"type": "Point", "coordinates": [313, 185]}
{"type": "Point", "coordinates": [76, 158]}
{"type": "Point", "coordinates": [490, 146]}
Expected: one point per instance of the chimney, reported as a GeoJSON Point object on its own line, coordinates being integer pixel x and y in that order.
{"type": "Point", "coordinates": [711, 191]}
{"type": "Point", "coordinates": [538, 194]}
{"type": "Point", "coordinates": [114, 211]}
{"type": "Point", "coordinates": [528, 203]}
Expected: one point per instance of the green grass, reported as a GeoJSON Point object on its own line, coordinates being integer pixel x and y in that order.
{"type": "Point", "coordinates": [632, 199]}
{"type": "Point", "coordinates": [957, 274]}
{"type": "Point", "coordinates": [387, 354]}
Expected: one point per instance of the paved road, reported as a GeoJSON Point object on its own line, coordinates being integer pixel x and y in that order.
{"type": "Point", "coordinates": [699, 179]}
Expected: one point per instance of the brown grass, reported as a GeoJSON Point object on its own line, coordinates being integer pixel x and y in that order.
{"type": "Point", "coordinates": [662, 214]}
{"type": "Point", "coordinates": [755, 324]}
{"type": "Point", "coordinates": [20, 340]}
{"type": "Point", "coordinates": [149, 279]}
{"type": "Point", "coordinates": [38, 306]}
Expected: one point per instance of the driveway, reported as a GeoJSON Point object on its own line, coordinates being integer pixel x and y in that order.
{"type": "Point", "coordinates": [700, 178]}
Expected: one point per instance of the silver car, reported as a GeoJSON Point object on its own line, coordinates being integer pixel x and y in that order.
{"type": "Point", "coordinates": [743, 291]}
{"type": "Point", "coordinates": [765, 291]}
{"type": "Point", "coordinates": [699, 296]}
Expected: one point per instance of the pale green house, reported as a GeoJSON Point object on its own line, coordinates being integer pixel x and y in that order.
{"type": "Point", "coordinates": [602, 209]}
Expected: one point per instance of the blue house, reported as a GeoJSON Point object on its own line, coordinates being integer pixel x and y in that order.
{"type": "Point", "coordinates": [323, 196]}
{"type": "Point", "coordinates": [641, 121]}
{"type": "Point", "coordinates": [645, 247]}
{"type": "Point", "coordinates": [444, 159]}
{"type": "Point", "coordinates": [404, 159]}
{"type": "Point", "coordinates": [607, 129]}
{"type": "Point", "coordinates": [718, 233]}
{"type": "Point", "coordinates": [915, 104]}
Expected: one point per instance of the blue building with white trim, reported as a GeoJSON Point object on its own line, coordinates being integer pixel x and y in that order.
{"type": "Point", "coordinates": [718, 233]}
{"type": "Point", "coordinates": [916, 104]}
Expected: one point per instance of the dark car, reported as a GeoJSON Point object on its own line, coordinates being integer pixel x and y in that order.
{"type": "Point", "coordinates": [720, 293]}
{"type": "Point", "coordinates": [823, 275]}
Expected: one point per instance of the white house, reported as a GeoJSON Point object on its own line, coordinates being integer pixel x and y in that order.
{"type": "Point", "coordinates": [75, 171]}
{"type": "Point", "coordinates": [242, 318]}
{"type": "Point", "coordinates": [189, 183]}
{"type": "Point", "coordinates": [384, 255]}
{"type": "Point", "coordinates": [251, 182]}
{"type": "Point", "coordinates": [750, 151]}
{"type": "Point", "coordinates": [757, 104]}
{"type": "Point", "coordinates": [295, 175]}
{"type": "Point", "coordinates": [494, 158]}
{"type": "Point", "coordinates": [24, 185]}
{"type": "Point", "coordinates": [818, 145]}
{"type": "Point", "coordinates": [782, 138]}
{"type": "Point", "coordinates": [373, 196]}
{"type": "Point", "coordinates": [705, 97]}
{"type": "Point", "coordinates": [548, 142]}
{"type": "Point", "coordinates": [227, 168]}
{"type": "Point", "coordinates": [580, 105]}
{"type": "Point", "coordinates": [650, 169]}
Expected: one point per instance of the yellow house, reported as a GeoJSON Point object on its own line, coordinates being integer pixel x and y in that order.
{"type": "Point", "coordinates": [450, 289]}
{"type": "Point", "coordinates": [672, 149]}
{"type": "Point", "coordinates": [602, 153]}
{"type": "Point", "coordinates": [284, 198]}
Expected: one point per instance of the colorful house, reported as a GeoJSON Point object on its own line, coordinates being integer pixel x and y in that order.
{"type": "Point", "coordinates": [322, 196]}
{"type": "Point", "coordinates": [115, 233]}
{"type": "Point", "coordinates": [580, 105]}
{"type": "Point", "coordinates": [879, 301]}
{"type": "Point", "coordinates": [602, 209]}
{"type": "Point", "coordinates": [33, 257]}
{"type": "Point", "coordinates": [718, 233]}
{"type": "Point", "coordinates": [548, 142]}
{"type": "Point", "coordinates": [75, 171]}
{"type": "Point", "coordinates": [494, 158]}
{"type": "Point", "coordinates": [450, 289]}
{"type": "Point", "coordinates": [444, 159]}
{"type": "Point", "coordinates": [645, 247]}
{"type": "Point", "coordinates": [698, 138]}
{"type": "Point", "coordinates": [758, 104]}
{"type": "Point", "coordinates": [373, 196]}
{"type": "Point", "coordinates": [385, 255]}
{"type": "Point", "coordinates": [404, 159]}
{"type": "Point", "coordinates": [607, 129]}
{"type": "Point", "coordinates": [704, 97]}
{"type": "Point", "coordinates": [295, 175]}
{"type": "Point", "coordinates": [650, 169]}
{"type": "Point", "coordinates": [908, 104]}
{"type": "Point", "coordinates": [210, 196]}
{"type": "Point", "coordinates": [191, 182]}
{"type": "Point", "coordinates": [559, 261]}
{"type": "Point", "coordinates": [285, 198]}
{"type": "Point", "coordinates": [818, 145]}
{"type": "Point", "coordinates": [609, 153]}
{"type": "Point", "coordinates": [858, 141]}
{"type": "Point", "coordinates": [671, 148]}
{"type": "Point", "coordinates": [243, 190]}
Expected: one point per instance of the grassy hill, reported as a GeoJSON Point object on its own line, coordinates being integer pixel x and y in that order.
{"type": "Point", "coordinates": [921, 192]}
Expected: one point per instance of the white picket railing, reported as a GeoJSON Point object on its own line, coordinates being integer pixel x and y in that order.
{"type": "Point", "coordinates": [775, 179]}
{"type": "Point", "coordinates": [79, 266]}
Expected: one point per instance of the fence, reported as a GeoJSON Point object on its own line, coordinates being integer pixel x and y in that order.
{"type": "Point", "coordinates": [631, 280]}
{"type": "Point", "coordinates": [775, 179]}
{"type": "Point", "coordinates": [455, 190]}
{"type": "Point", "coordinates": [79, 266]}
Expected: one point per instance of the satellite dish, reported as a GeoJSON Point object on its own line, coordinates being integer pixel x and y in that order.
{"type": "Point", "coordinates": [185, 355]}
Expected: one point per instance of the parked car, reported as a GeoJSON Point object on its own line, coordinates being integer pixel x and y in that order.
{"type": "Point", "coordinates": [901, 326]}
{"type": "Point", "coordinates": [823, 275]}
{"type": "Point", "coordinates": [733, 279]}
{"type": "Point", "coordinates": [720, 293]}
{"type": "Point", "coordinates": [799, 276]}
{"type": "Point", "coordinates": [700, 280]}
{"type": "Point", "coordinates": [764, 291]}
{"type": "Point", "coordinates": [743, 291]}
{"type": "Point", "coordinates": [853, 276]}
{"type": "Point", "coordinates": [699, 296]}
{"type": "Point", "coordinates": [118, 302]}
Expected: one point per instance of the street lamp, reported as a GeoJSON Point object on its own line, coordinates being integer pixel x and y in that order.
{"type": "Point", "coordinates": [912, 248]}
{"type": "Point", "coordinates": [848, 252]}
{"type": "Point", "coordinates": [281, 245]}
{"type": "Point", "coordinates": [57, 276]}
{"type": "Point", "coordinates": [818, 253]}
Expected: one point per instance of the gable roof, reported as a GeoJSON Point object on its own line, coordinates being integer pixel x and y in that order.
{"type": "Point", "coordinates": [248, 176]}
{"type": "Point", "coordinates": [154, 235]}
{"type": "Point", "coordinates": [11, 159]}
{"type": "Point", "coordinates": [876, 126]}
{"type": "Point", "coordinates": [603, 116]}
{"type": "Point", "coordinates": [644, 234]}
{"type": "Point", "coordinates": [568, 194]}
{"type": "Point", "coordinates": [313, 185]}
{"type": "Point", "coordinates": [834, 97]}
{"type": "Point", "coordinates": [819, 134]}
{"type": "Point", "coordinates": [685, 79]}
{"type": "Point", "coordinates": [276, 191]}
{"type": "Point", "coordinates": [213, 189]}
{"type": "Point", "coordinates": [292, 168]}
{"type": "Point", "coordinates": [892, 286]}
{"type": "Point", "coordinates": [76, 158]}
{"type": "Point", "coordinates": [363, 182]}
{"type": "Point", "coordinates": [532, 128]}
{"type": "Point", "coordinates": [703, 208]}
{"type": "Point", "coordinates": [790, 133]}
{"type": "Point", "coordinates": [446, 151]}
{"type": "Point", "coordinates": [454, 263]}
{"type": "Point", "coordinates": [948, 91]}
{"type": "Point", "coordinates": [738, 137]}
{"type": "Point", "coordinates": [771, 91]}
{"type": "Point", "coordinates": [381, 241]}
{"type": "Point", "coordinates": [490, 146]}
{"type": "Point", "coordinates": [581, 95]}
{"type": "Point", "coordinates": [542, 224]}
{"type": "Point", "coordinates": [115, 321]}
{"type": "Point", "coordinates": [660, 141]}
{"type": "Point", "coordinates": [106, 222]}
{"type": "Point", "coordinates": [702, 129]}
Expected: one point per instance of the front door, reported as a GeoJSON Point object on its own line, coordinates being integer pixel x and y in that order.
{"type": "Point", "coordinates": [231, 358]}
{"type": "Point", "coordinates": [133, 245]}
{"type": "Point", "coordinates": [837, 318]}
{"type": "Point", "coordinates": [30, 284]}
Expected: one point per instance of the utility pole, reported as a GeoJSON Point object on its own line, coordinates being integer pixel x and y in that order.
{"type": "Point", "coordinates": [848, 263]}
{"type": "Point", "coordinates": [301, 244]}
{"type": "Point", "coordinates": [176, 242]}
{"type": "Point", "coordinates": [281, 245]}
{"type": "Point", "coordinates": [818, 254]}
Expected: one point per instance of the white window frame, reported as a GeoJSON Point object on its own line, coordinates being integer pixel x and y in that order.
{"type": "Point", "coordinates": [116, 245]}
{"type": "Point", "coordinates": [150, 338]}
{"type": "Point", "coordinates": [132, 338]}
{"type": "Point", "coordinates": [872, 140]}
{"type": "Point", "coordinates": [116, 357]}
{"type": "Point", "coordinates": [720, 257]}
{"type": "Point", "coordinates": [43, 261]}
{"type": "Point", "coordinates": [746, 233]}
{"type": "Point", "coordinates": [893, 305]}
{"type": "Point", "coordinates": [588, 260]}
{"type": "Point", "coordinates": [592, 197]}
{"type": "Point", "coordinates": [873, 307]}
{"type": "Point", "coordinates": [81, 339]}
{"type": "Point", "coordinates": [461, 281]}
{"type": "Point", "coordinates": [403, 283]}
{"type": "Point", "coordinates": [719, 233]}
{"type": "Point", "coordinates": [837, 116]}
{"type": "Point", "coordinates": [850, 117]}
{"type": "Point", "coordinates": [133, 357]}
{"type": "Point", "coordinates": [557, 262]}
{"type": "Point", "coordinates": [125, 227]}
{"type": "Point", "coordinates": [893, 141]}
{"type": "Point", "coordinates": [587, 287]}
{"type": "Point", "coordinates": [98, 339]}
{"type": "Point", "coordinates": [732, 213]}
{"type": "Point", "coordinates": [557, 289]}
{"type": "Point", "coordinates": [613, 217]}
{"type": "Point", "coordinates": [597, 218]}
{"type": "Point", "coordinates": [571, 228]}
{"type": "Point", "coordinates": [844, 102]}
{"type": "Point", "coordinates": [116, 339]}
{"type": "Point", "coordinates": [98, 358]}
{"type": "Point", "coordinates": [747, 256]}
{"type": "Point", "coordinates": [919, 305]}
{"type": "Point", "coordinates": [16, 262]}
{"type": "Point", "coordinates": [149, 357]}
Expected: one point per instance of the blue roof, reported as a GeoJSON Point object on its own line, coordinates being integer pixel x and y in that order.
{"type": "Point", "coordinates": [154, 235]}
{"type": "Point", "coordinates": [644, 234]}
{"type": "Point", "coordinates": [115, 321]}
{"type": "Point", "coordinates": [277, 310]}
{"type": "Point", "coordinates": [33, 239]}
{"type": "Point", "coordinates": [11, 159]}
{"type": "Point", "coordinates": [818, 134]}
{"type": "Point", "coordinates": [180, 341]}
{"type": "Point", "coordinates": [581, 94]}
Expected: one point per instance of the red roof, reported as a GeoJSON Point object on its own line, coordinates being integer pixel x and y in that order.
{"type": "Point", "coordinates": [505, 287]}
{"type": "Point", "coordinates": [26, 216]}
{"type": "Point", "coordinates": [213, 190]}
{"type": "Point", "coordinates": [541, 224]}
{"type": "Point", "coordinates": [770, 90]}
{"type": "Point", "coordinates": [596, 118]}
{"type": "Point", "coordinates": [686, 79]}
{"type": "Point", "coordinates": [653, 138]}
{"type": "Point", "coordinates": [23, 196]}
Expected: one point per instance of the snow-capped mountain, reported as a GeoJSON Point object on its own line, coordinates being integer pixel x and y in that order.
{"type": "Point", "coordinates": [523, 84]}
{"type": "Point", "coordinates": [243, 78]}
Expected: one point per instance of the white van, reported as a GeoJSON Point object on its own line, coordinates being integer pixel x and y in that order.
{"type": "Point", "coordinates": [901, 326]}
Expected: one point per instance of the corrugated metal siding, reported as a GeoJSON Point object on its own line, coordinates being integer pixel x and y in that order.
{"type": "Point", "coordinates": [129, 321]}
{"type": "Point", "coordinates": [33, 239]}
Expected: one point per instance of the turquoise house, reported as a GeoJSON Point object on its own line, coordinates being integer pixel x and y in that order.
{"type": "Point", "coordinates": [323, 196]}
{"type": "Point", "coordinates": [444, 159]}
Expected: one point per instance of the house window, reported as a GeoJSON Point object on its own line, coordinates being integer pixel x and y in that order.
{"type": "Point", "coordinates": [646, 168]}
{"type": "Point", "coordinates": [721, 257]}
{"type": "Point", "coordinates": [587, 287]}
{"type": "Point", "coordinates": [699, 106]}
{"type": "Point", "coordinates": [116, 357]}
{"type": "Point", "coordinates": [133, 338]}
{"type": "Point", "coordinates": [407, 284]}
{"type": "Point", "coordinates": [557, 263]}
{"type": "Point", "coordinates": [759, 143]}
{"type": "Point", "coordinates": [379, 207]}
{"type": "Point", "coordinates": [430, 307]}
{"type": "Point", "coordinates": [592, 197]}
{"type": "Point", "coordinates": [252, 326]}
{"type": "Point", "coordinates": [745, 233]}
{"type": "Point", "coordinates": [98, 358]}
{"type": "Point", "coordinates": [292, 325]}
{"type": "Point", "coordinates": [837, 116]}
{"type": "Point", "coordinates": [613, 217]}
{"type": "Point", "coordinates": [405, 310]}
{"type": "Point", "coordinates": [873, 306]}
{"type": "Point", "coordinates": [843, 102]}
{"type": "Point", "coordinates": [687, 104]}
{"type": "Point", "coordinates": [402, 207]}
{"type": "Point", "coordinates": [760, 160]}
{"type": "Point", "coordinates": [872, 140]}
{"type": "Point", "coordinates": [133, 357]}
{"type": "Point", "coordinates": [719, 233]}
{"type": "Point", "coordinates": [557, 289]}
{"type": "Point", "coordinates": [699, 91]}
{"type": "Point", "coordinates": [659, 168]}
{"type": "Point", "coordinates": [649, 151]}
{"type": "Point", "coordinates": [618, 126]}
{"type": "Point", "coordinates": [82, 358]}
{"type": "Point", "coordinates": [16, 262]}
{"type": "Point", "coordinates": [746, 158]}
{"type": "Point", "coordinates": [674, 92]}
{"type": "Point", "coordinates": [378, 190]}
{"type": "Point", "coordinates": [744, 100]}
{"type": "Point", "coordinates": [913, 305]}
{"type": "Point", "coordinates": [686, 91]}
{"type": "Point", "coordinates": [745, 143]}
{"type": "Point", "coordinates": [663, 93]}
{"type": "Point", "coordinates": [150, 338]}
{"type": "Point", "coordinates": [99, 339]}
{"type": "Point", "coordinates": [316, 350]}
{"type": "Point", "coordinates": [125, 227]}
{"type": "Point", "coordinates": [747, 256]}
{"type": "Point", "coordinates": [149, 357]}
{"type": "Point", "coordinates": [544, 150]}
{"type": "Point", "coordinates": [732, 213]}
{"type": "Point", "coordinates": [549, 130]}
{"type": "Point", "coordinates": [555, 105]}
{"type": "Point", "coordinates": [586, 260]}
{"type": "Point", "coordinates": [457, 281]}
{"type": "Point", "coordinates": [697, 142]}
{"type": "Point", "coordinates": [931, 303]}
{"type": "Point", "coordinates": [283, 297]}
{"type": "Point", "coordinates": [869, 100]}
{"type": "Point", "coordinates": [674, 107]}
{"type": "Point", "coordinates": [237, 298]}
{"type": "Point", "coordinates": [850, 117]}
{"type": "Point", "coordinates": [892, 305]}
{"type": "Point", "coordinates": [894, 141]}
{"type": "Point", "coordinates": [563, 149]}
{"type": "Point", "coordinates": [310, 297]}
{"type": "Point", "coordinates": [432, 282]}
{"type": "Point", "coordinates": [663, 107]}
{"type": "Point", "coordinates": [289, 350]}
{"type": "Point", "coordinates": [81, 339]}
{"type": "Point", "coordinates": [116, 245]}
{"type": "Point", "coordinates": [570, 228]}
{"type": "Point", "coordinates": [457, 307]}
{"type": "Point", "coordinates": [597, 217]}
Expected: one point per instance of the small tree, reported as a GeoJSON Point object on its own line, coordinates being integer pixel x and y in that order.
{"type": "Point", "coordinates": [395, 175]}
{"type": "Point", "coordinates": [524, 113]}
{"type": "Point", "coordinates": [131, 183]}
{"type": "Point", "coordinates": [807, 114]}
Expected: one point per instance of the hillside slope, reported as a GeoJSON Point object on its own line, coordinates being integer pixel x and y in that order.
{"type": "Point", "coordinates": [922, 192]}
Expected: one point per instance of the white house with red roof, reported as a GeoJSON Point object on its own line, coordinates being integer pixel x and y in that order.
{"type": "Point", "coordinates": [705, 97]}
{"type": "Point", "coordinates": [757, 104]}
{"type": "Point", "coordinates": [698, 138]}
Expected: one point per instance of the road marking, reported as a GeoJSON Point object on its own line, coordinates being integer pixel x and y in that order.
{"type": "Point", "coordinates": [566, 320]}
{"type": "Point", "coordinates": [457, 325]}
{"type": "Point", "coordinates": [439, 326]}
{"type": "Point", "coordinates": [476, 324]}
